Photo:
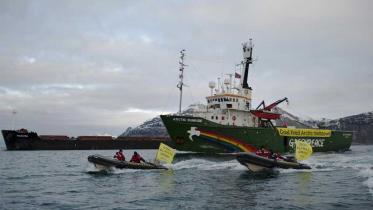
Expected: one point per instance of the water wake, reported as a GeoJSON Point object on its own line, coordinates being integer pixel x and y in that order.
{"type": "Point", "coordinates": [203, 164]}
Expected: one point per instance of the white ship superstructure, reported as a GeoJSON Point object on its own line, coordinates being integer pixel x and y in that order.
{"type": "Point", "coordinates": [231, 103]}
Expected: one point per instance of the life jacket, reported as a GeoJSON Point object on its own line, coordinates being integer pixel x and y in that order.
{"type": "Point", "coordinates": [119, 156]}
{"type": "Point", "coordinates": [278, 157]}
{"type": "Point", "coordinates": [136, 158]}
{"type": "Point", "coordinates": [262, 153]}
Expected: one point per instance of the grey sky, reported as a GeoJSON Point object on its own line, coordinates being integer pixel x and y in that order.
{"type": "Point", "coordinates": [94, 67]}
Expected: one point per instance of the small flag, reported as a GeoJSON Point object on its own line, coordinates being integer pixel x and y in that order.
{"type": "Point", "coordinates": [237, 75]}
{"type": "Point", "coordinates": [303, 150]}
{"type": "Point", "coordinates": [165, 153]}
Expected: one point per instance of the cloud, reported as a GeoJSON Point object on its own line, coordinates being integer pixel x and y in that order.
{"type": "Point", "coordinates": [98, 67]}
{"type": "Point", "coordinates": [29, 60]}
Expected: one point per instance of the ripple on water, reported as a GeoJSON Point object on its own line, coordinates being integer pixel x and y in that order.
{"type": "Point", "coordinates": [41, 180]}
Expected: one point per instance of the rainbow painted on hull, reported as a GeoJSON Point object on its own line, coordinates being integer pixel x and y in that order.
{"type": "Point", "coordinates": [230, 143]}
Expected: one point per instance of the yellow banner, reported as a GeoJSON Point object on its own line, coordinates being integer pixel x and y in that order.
{"type": "Point", "coordinates": [303, 150]}
{"type": "Point", "coordinates": [304, 132]}
{"type": "Point", "coordinates": [165, 153]}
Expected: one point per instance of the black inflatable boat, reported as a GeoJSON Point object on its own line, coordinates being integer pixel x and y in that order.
{"type": "Point", "coordinates": [102, 162]}
{"type": "Point", "coordinates": [258, 163]}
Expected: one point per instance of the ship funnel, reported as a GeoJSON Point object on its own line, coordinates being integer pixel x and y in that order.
{"type": "Point", "coordinates": [247, 56]}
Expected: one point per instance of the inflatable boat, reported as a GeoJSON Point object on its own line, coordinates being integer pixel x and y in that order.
{"type": "Point", "coordinates": [103, 163]}
{"type": "Point", "coordinates": [258, 163]}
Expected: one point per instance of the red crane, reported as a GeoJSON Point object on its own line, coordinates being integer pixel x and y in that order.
{"type": "Point", "coordinates": [265, 112]}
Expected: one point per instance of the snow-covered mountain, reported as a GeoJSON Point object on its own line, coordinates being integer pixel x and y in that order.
{"type": "Point", "coordinates": [289, 119]}
{"type": "Point", "coordinates": [361, 124]}
{"type": "Point", "coordinates": [155, 127]}
{"type": "Point", "coordinates": [152, 128]}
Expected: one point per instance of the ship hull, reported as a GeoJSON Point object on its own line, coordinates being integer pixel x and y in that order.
{"type": "Point", "coordinates": [104, 163]}
{"type": "Point", "coordinates": [200, 135]}
{"type": "Point", "coordinates": [257, 163]}
{"type": "Point", "coordinates": [15, 140]}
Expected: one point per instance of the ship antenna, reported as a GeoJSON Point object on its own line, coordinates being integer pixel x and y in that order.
{"type": "Point", "coordinates": [181, 77]}
{"type": "Point", "coordinates": [247, 55]}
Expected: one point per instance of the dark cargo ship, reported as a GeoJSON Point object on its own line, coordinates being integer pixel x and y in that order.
{"type": "Point", "coordinates": [25, 140]}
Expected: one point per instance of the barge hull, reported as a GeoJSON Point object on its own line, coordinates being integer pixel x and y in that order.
{"type": "Point", "coordinates": [15, 140]}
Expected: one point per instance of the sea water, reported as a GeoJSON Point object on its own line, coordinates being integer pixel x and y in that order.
{"type": "Point", "coordinates": [65, 180]}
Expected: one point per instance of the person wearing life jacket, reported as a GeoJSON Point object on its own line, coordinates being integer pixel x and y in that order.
{"type": "Point", "coordinates": [262, 152]}
{"type": "Point", "coordinates": [136, 158]}
{"type": "Point", "coordinates": [119, 155]}
{"type": "Point", "coordinates": [276, 156]}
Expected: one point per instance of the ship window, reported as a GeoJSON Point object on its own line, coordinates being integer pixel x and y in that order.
{"type": "Point", "coordinates": [212, 117]}
{"type": "Point", "coordinates": [222, 117]}
{"type": "Point", "coordinates": [216, 117]}
{"type": "Point", "coordinates": [229, 106]}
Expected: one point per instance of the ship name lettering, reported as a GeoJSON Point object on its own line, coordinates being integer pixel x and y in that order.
{"type": "Point", "coordinates": [187, 120]}
{"type": "Point", "coordinates": [195, 120]}
{"type": "Point", "coordinates": [312, 142]}
{"type": "Point", "coordinates": [180, 119]}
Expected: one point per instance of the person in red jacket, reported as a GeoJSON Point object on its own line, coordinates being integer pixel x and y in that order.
{"type": "Point", "coordinates": [119, 155]}
{"type": "Point", "coordinates": [276, 156]}
{"type": "Point", "coordinates": [262, 152]}
{"type": "Point", "coordinates": [136, 158]}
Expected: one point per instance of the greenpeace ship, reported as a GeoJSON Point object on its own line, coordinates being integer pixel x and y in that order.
{"type": "Point", "coordinates": [229, 124]}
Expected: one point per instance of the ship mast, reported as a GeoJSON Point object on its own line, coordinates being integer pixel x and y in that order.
{"type": "Point", "coordinates": [247, 55]}
{"type": "Point", "coordinates": [14, 112]}
{"type": "Point", "coordinates": [181, 77]}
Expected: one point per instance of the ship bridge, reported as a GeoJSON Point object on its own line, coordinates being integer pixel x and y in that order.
{"type": "Point", "coordinates": [230, 108]}
{"type": "Point", "coordinates": [229, 101]}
